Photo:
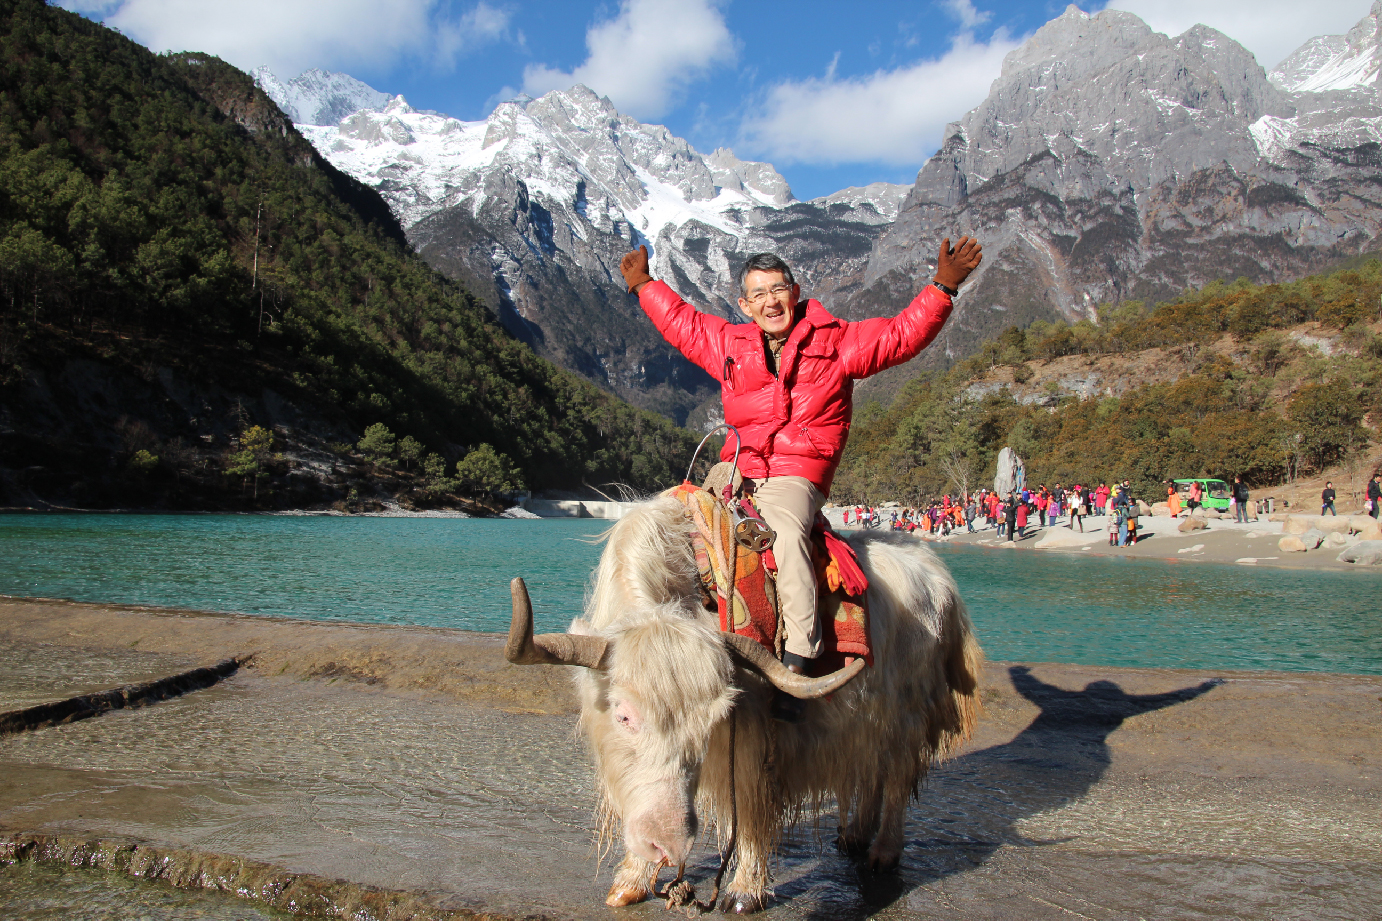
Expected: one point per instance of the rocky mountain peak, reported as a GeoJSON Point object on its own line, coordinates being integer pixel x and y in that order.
{"type": "Point", "coordinates": [1367, 32]}
{"type": "Point", "coordinates": [758, 180]}
{"type": "Point", "coordinates": [1075, 43]}
{"type": "Point", "coordinates": [1110, 162]}
{"type": "Point", "coordinates": [319, 97]}
{"type": "Point", "coordinates": [1328, 63]}
{"type": "Point", "coordinates": [1148, 107]}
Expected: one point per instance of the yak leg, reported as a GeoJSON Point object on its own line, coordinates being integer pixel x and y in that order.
{"type": "Point", "coordinates": [748, 891]}
{"type": "Point", "coordinates": [758, 813]}
{"type": "Point", "coordinates": [633, 882]}
{"type": "Point", "coordinates": [857, 829]}
{"type": "Point", "coordinates": [887, 846]}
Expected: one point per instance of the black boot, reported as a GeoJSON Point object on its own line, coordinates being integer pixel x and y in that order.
{"type": "Point", "coordinates": [786, 708]}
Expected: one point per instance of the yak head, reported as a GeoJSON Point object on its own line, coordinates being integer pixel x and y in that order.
{"type": "Point", "coordinates": [649, 714]}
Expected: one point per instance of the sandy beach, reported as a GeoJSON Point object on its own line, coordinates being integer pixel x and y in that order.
{"type": "Point", "coordinates": [406, 772]}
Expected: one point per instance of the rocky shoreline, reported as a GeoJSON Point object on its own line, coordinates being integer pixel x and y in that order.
{"type": "Point", "coordinates": [401, 772]}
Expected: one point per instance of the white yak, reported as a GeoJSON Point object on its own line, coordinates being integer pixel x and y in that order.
{"type": "Point", "coordinates": [659, 682]}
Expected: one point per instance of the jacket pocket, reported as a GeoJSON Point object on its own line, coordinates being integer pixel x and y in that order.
{"type": "Point", "coordinates": [826, 444]}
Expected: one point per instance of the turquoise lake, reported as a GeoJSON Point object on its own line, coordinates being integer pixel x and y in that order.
{"type": "Point", "coordinates": [1029, 606]}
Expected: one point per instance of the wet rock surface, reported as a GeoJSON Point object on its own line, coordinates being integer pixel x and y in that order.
{"type": "Point", "coordinates": [40, 890]}
{"type": "Point", "coordinates": [1097, 792]}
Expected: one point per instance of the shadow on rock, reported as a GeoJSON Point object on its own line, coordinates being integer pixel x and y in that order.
{"type": "Point", "coordinates": [972, 805]}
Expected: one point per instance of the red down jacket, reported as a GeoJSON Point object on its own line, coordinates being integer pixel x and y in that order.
{"type": "Point", "coordinates": [795, 424]}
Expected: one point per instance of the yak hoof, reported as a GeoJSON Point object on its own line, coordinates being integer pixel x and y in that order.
{"type": "Point", "coordinates": [734, 904]}
{"type": "Point", "coordinates": [619, 896]}
{"type": "Point", "coordinates": [884, 861]}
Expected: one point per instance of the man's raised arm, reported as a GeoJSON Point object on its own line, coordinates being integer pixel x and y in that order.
{"type": "Point", "coordinates": [696, 335]}
{"type": "Point", "coordinates": [881, 343]}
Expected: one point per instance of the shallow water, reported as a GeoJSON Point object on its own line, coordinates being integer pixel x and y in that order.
{"type": "Point", "coordinates": [454, 573]}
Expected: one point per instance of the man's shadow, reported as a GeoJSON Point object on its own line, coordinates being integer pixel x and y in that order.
{"type": "Point", "coordinates": [971, 805]}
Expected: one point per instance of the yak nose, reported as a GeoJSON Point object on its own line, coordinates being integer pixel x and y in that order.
{"type": "Point", "coordinates": [662, 838]}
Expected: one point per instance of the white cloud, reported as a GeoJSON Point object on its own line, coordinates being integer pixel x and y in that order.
{"type": "Point", "coordinates": [293, 35]}
{"type": "Point", "coordinates": [644, 58]}
{"type": "Point", "coordinates": [965, 14]}
{"type": "Point", "coordinates": [1270, 29]}
{"type": "Point", "coordinates": [891, 116]}
{"type": "Point", "coordinates": [479, 26]}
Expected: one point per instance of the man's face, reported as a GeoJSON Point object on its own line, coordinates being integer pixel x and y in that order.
{"type": "Point", "coordinates": [771, 302]}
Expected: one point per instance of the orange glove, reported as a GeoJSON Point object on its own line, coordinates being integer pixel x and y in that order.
{"type": "Point", "coordinates": [954, 265]}
{"type": "Point", "coordinates": [635, 268]}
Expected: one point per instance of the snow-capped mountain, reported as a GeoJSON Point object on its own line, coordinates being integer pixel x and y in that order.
{"type": "Point", "coordinates": [1334, 62]}
{"type": "Point", "coordinates": [1112, 162]}
{"type": "Point", "coordinates": [317, 97]}
{"type": "Point", "coordinates": [632, 173]}
{"type": "Point", "coordinates": [1331, 81]}
{"type": "Point", "coordinates": [533, 207]}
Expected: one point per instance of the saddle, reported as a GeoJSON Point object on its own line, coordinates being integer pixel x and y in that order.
{"type": "Point", "coordinates": [733, 548]}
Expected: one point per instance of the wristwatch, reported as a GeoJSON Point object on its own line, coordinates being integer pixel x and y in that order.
{"type": "Point", "coordinates": [946, 288]}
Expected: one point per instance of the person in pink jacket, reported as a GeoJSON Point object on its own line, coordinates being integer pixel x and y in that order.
{"type": "Point", "coordinates": [787, 384]}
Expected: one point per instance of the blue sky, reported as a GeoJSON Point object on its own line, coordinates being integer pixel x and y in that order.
{"type": "Point", "coordinates": [833, 94]}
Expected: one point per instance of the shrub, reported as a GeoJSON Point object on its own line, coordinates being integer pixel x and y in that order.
{"type": "Point", "coordinates": [143, 462]}
{"type": "Point", "coordinates": [377, 443]}
{"type": "Point", "coordinates": [1328, 417]}
{"type": "Point", "coordinates": [486, 470]}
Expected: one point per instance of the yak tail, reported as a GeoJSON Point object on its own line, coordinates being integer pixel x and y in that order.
{"type": "Point", "coordinates": [962, 660]}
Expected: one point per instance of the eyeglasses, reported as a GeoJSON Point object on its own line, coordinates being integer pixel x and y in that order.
{"type": "Point", "coordinates": [762, 296]}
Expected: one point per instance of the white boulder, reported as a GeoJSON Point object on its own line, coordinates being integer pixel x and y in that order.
{"type": "Point", "coordinates": [1299, 524]}
{"type": "Point", "coordinates": [1292, 544]}
{"type": "Point", "coordinates": [1366, 553]}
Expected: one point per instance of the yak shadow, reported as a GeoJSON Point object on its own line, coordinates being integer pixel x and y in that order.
{"type": "Point", "coordinates": [972, 804]}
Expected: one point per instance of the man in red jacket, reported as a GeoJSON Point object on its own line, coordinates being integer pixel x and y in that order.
{"type": "Point", "coordinates": [787, 383]}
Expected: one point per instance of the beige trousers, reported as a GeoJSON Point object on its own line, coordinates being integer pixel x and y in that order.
{"type": "Point", "coordinates": [789, 505]}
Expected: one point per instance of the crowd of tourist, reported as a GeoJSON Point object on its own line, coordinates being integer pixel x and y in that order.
{"type": "Point", "coordinates": [1012, 514]}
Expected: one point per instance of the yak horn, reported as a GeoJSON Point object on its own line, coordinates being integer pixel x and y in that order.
{"type": "Point", "coordinates": [547, 648]}
{"type": "Point", "coordinates": [756, 655]}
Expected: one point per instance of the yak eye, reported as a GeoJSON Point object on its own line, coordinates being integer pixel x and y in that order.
{"type": "Point", "coordinates": [627, 717]}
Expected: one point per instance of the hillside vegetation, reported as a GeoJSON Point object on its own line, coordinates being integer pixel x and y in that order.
{"type": "Point", "coordinates": [178, 266]}
{"type": "Point", "coordinates": [1270, 382]}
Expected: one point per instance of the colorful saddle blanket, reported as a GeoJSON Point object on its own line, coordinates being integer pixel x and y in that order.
{"type": "Point", "coordinates": [739, 583]}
